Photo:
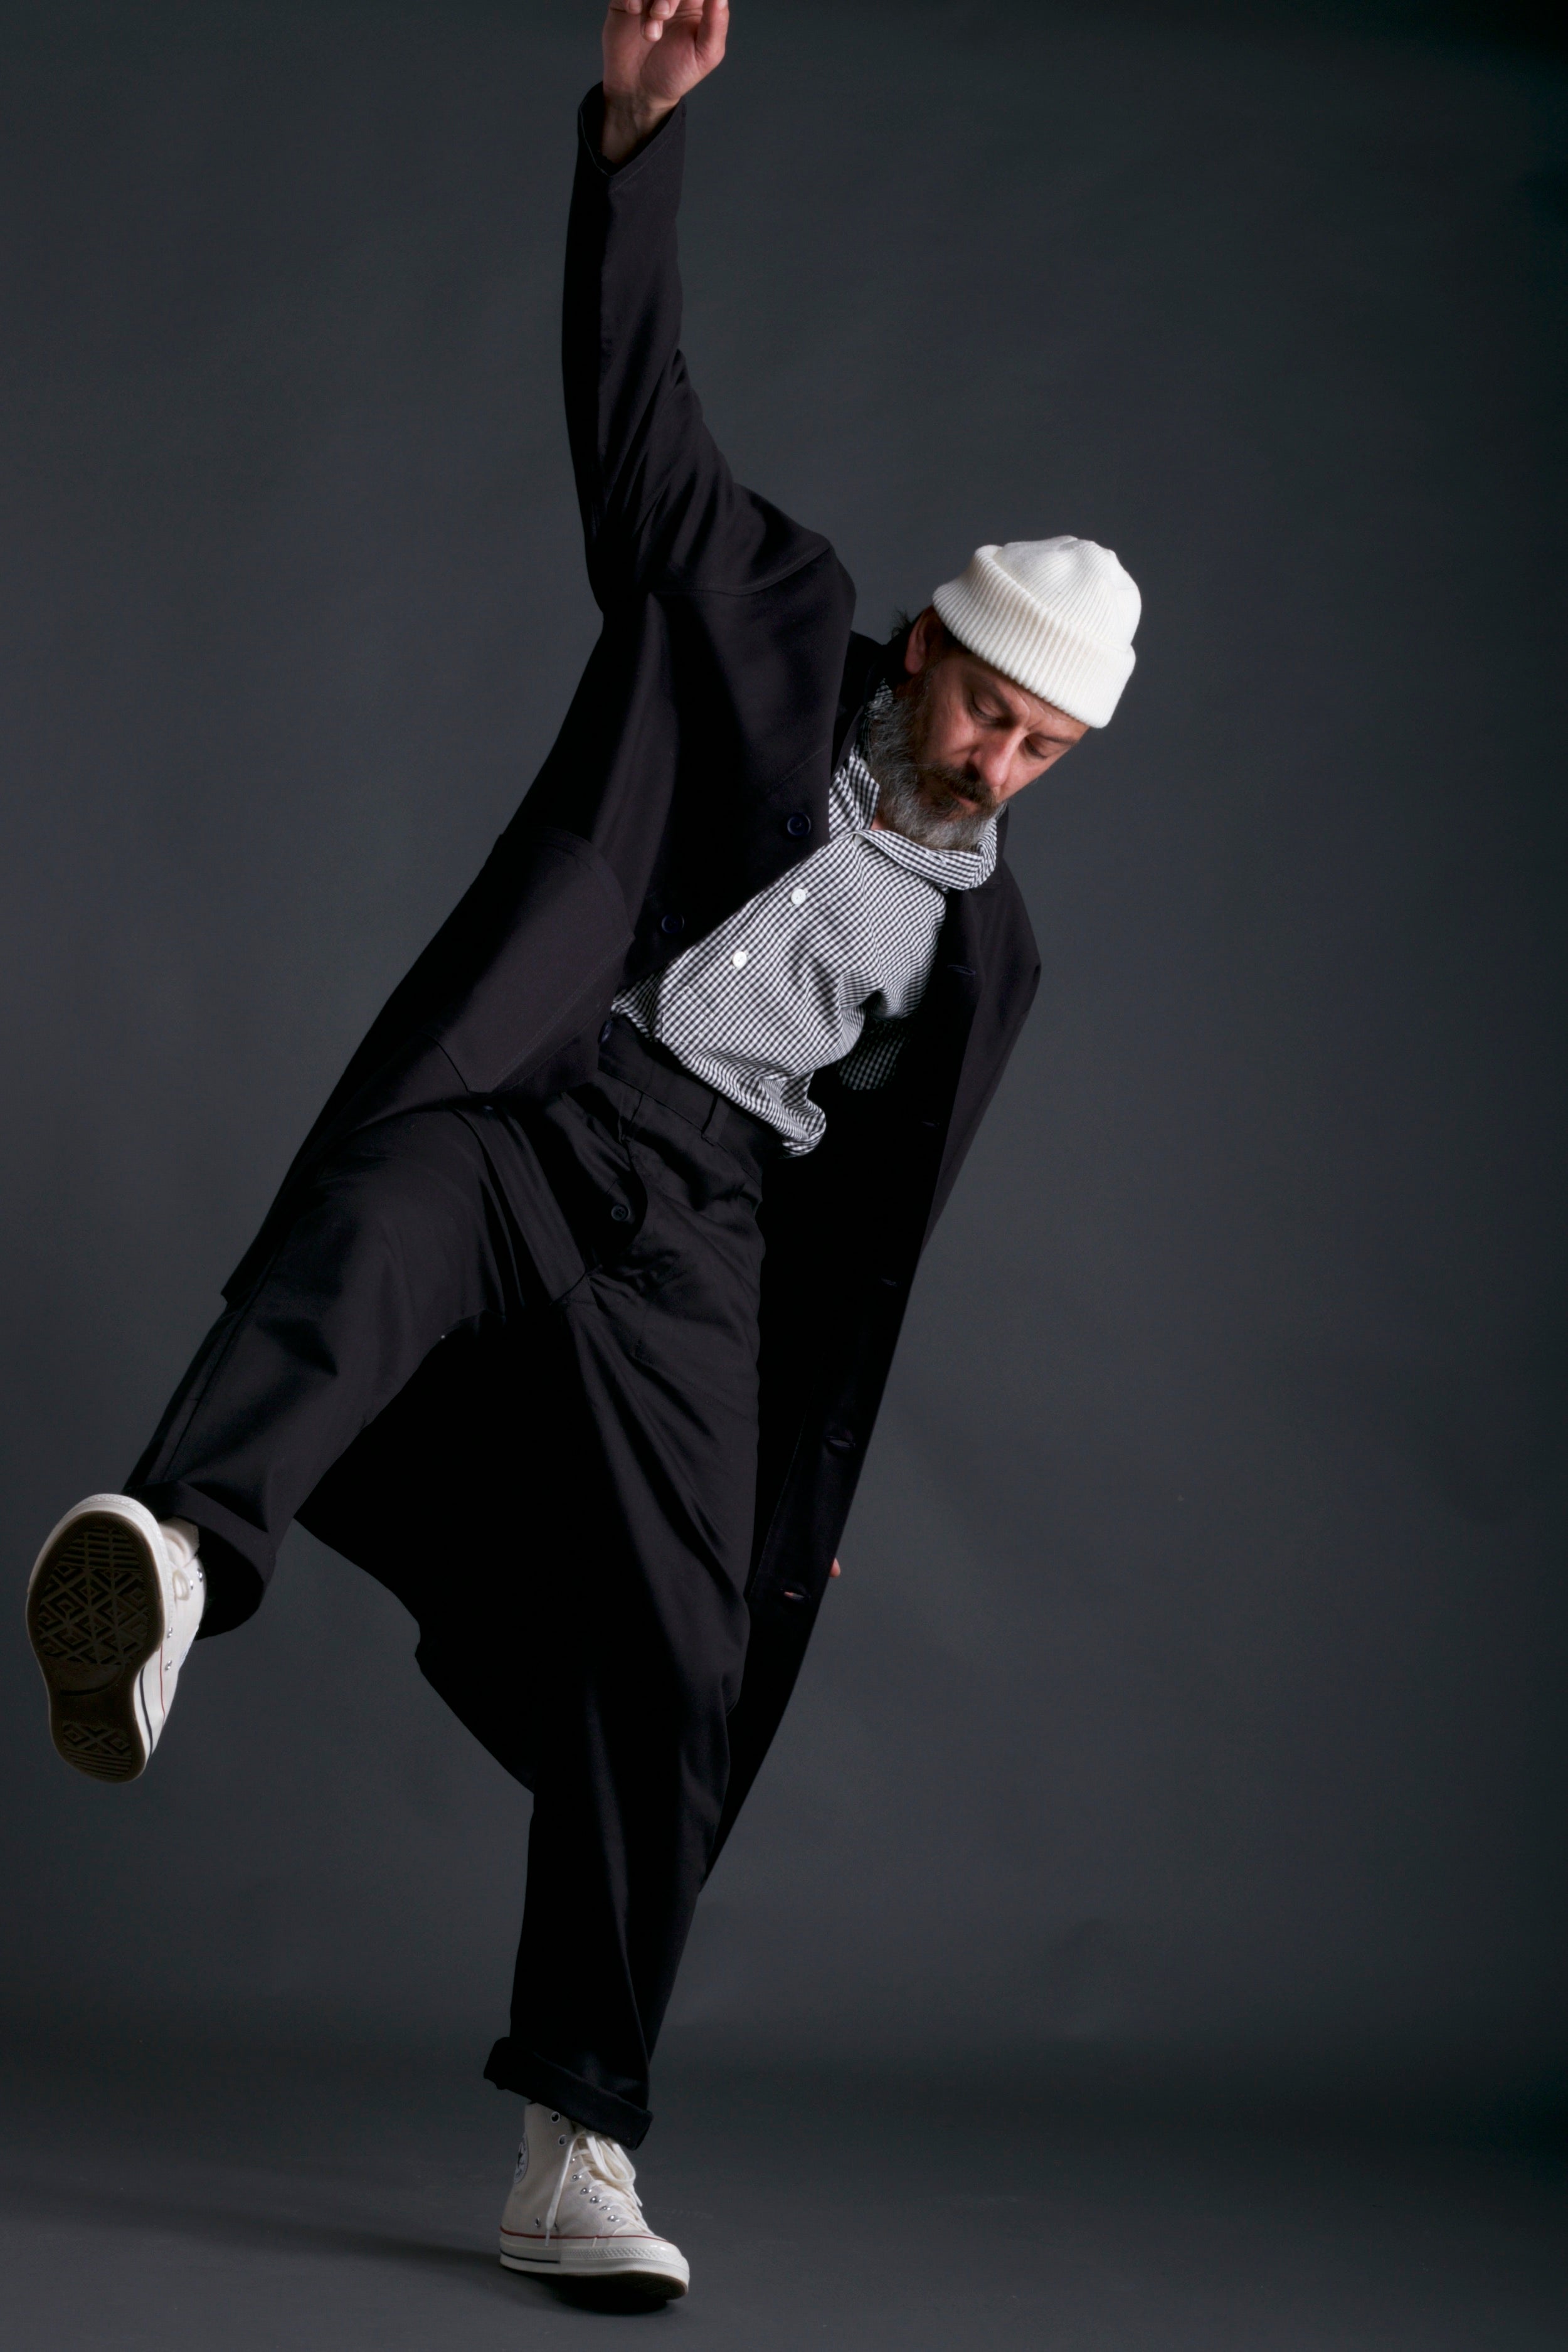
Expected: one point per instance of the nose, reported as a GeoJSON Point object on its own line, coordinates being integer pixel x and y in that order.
{"type": "Point", "coordinates": [993, 765]}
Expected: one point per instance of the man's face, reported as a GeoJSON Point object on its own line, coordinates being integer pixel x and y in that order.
{"type": "Point", "coordinates": [970, 741]}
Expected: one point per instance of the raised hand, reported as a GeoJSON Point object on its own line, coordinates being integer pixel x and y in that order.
{"type": "Point", "coordinates": [655, 51]}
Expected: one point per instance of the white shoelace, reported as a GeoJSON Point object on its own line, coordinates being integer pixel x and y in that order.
{"type": "Point", "coordinates": [605, 2163]}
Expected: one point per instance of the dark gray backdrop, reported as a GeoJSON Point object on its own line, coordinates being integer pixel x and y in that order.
{"type": "Point", "coordinates": [1192, 1704]}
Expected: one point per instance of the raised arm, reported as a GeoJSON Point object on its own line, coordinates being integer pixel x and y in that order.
{"type": "Point", "coordinates": [659, 505]}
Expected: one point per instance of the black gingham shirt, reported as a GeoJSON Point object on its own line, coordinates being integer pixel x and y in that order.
{"type": "Point", "coordinates": [826, 965]}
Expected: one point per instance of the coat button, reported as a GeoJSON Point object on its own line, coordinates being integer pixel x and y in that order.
{"type": "Point", "coordinates": [621, 1213]}
{"type": "Point", "coordinates": [964, 970]}
{"type": "Point", "coordinates": [841, 1440]}
{"type": "Point", "coordinates": [673, 925]}
{"type": "Point", "coordinates": [797, 825]}
{"type": "Point", "coordinates": [607, 1032]}
{"type": "Point", "coordinates": [793, 1592]}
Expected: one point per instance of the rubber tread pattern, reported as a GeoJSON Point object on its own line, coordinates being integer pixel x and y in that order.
{"type": "Point", "coordinates": [89, 1612]}
{"type": "Point", "coordinates": [100, 1749]}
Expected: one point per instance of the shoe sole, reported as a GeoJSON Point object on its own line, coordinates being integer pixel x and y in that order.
{"type": "Point", "coordinates": [663, 2285]}
{"type": "Point", "coordinates": [95, 1618]}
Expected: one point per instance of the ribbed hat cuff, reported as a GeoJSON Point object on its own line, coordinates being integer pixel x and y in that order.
{"type": "Point", "coordinates": [992, 613]}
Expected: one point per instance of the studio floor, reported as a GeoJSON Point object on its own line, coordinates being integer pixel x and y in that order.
{"type": "Point", "coordinates": [160, 2192]}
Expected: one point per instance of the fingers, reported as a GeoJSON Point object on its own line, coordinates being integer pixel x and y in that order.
{"type": "Point", "coordinates": [703, 25]}
{"type": "Point", "coordinates": [653, 13]}
{"type": "Point", "coordinates": [836, 1570]}
{"type": "Point", "coordinates": [659, 12]}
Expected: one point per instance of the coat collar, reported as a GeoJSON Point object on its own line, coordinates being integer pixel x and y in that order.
{"type": "Point", "coordinates": [866, 666]}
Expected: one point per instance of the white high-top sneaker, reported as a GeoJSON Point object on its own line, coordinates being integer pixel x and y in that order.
{"type": "Point", "coordinates": [113, 1604]}
{"type": "Point", "coordinates": [574, 2212]}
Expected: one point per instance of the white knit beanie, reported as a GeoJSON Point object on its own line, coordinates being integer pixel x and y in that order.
{"type": "Point", "coordinates": [1056, 615]}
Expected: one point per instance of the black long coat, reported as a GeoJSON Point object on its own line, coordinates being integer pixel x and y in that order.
{"type": "Point", "coordinates": [691, 770]}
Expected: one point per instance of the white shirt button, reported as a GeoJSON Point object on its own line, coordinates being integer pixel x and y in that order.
{"type": "Point", "coordinates": [739, 958]}
{"type": "Point", "coordinates": [798, 897]}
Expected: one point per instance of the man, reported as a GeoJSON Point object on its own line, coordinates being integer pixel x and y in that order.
{"type": "Point", "coordinates": [746, 967]}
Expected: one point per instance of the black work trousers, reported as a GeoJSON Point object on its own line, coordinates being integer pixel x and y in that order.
{"type": "Point", "coordinates": [618, 1224]}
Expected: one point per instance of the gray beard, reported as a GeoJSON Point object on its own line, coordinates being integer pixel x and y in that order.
{"type": "Point", "coordinates": [914, 798]}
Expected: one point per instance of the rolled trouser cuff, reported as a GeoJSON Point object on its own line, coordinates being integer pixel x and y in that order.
{"type": "Point", "coordinates": [511, 2067]}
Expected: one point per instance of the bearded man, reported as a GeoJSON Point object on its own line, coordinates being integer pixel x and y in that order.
{"type": "Point", "coordinates": [748, 959]}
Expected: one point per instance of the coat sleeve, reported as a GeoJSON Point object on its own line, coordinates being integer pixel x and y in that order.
{"type": "Point", "coordinates": [661, 508]}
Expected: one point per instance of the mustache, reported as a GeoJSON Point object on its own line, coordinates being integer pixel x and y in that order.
{"type": "Point", "coordinates": [946, 785]}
